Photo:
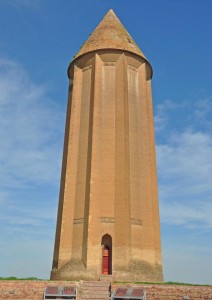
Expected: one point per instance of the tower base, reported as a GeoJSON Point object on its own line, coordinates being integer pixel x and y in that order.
{"type": "Point", "coordinates": [136, 271]}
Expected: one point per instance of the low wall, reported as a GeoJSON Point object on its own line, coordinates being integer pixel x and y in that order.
{"type": "Point", "coordinates": [26, 289]}
{"type": "Point", "coordinates": [173, 292]}
{"type": "Point", "coordinates": [33, 290]}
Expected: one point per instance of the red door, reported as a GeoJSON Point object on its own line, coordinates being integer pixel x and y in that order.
{"type": "Point", "coordinates": [105, 261]}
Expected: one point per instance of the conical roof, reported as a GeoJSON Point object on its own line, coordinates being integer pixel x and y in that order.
{"type": "Point", "coordinates": [110, 34]}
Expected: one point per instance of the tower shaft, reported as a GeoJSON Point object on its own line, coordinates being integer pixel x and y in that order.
{"type": "Point", "coordinates": [108, 196]}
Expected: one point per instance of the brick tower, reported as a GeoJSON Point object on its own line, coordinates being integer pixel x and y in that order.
{"type": "Point", "coordinates": [108, 218]}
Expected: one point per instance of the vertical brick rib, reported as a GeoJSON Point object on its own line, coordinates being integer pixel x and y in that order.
{"type": "Point", "coordinates": [155, 207]}
{"type": "Point", "coordinates": [145, 167]}
{"type": "Point", "coordinates": [122, 201]}
{"type": "Point", "coordinates": [93, 236]}
{"type": "Point", "coordinates": [63, 240]}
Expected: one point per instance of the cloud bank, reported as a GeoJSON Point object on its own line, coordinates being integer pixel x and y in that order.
{"type": "Point", "coordinates": [31, 137]}
{"type": "Point", "coordinates": [30, 130]}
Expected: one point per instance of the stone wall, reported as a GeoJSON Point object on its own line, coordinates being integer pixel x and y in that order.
{"type": "Point", "coordinates": [33, 290]}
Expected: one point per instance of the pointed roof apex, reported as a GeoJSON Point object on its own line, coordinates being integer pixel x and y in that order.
{"type": "Point", "coordinates": [111, 11]}
{"type": "Point", "coordinates": [110, 34]}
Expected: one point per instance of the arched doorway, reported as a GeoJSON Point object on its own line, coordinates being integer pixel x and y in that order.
{"type": "Point", "coordinates": [106, 254]}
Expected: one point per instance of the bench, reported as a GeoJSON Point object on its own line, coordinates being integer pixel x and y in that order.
{"type": "Point", "coordinates": [129, 293]}
{"type": "Point", "coordinates": [62, 292]}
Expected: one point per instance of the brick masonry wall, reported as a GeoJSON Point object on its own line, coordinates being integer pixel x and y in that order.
{"type": "Point", "coordinates": [26, 289]}
{"type": "Point", "coordinates": [174, 292]}
{"type": "Point", "coordinates": [33, 290]}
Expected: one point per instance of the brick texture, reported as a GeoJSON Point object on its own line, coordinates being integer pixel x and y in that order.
{"type": "Point", "coordinates": [33, 290]}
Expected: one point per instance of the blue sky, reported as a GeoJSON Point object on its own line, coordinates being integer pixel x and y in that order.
{"type": "Point", "coordinates": [37, 41]}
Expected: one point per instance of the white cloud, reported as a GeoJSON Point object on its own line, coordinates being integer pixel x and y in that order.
{"type": "Point", "coordinates": [186, 159]}
{"type": "Point", "coordinates": [184, 164]}
{"type": "Point", "coordinates": [192, 215]}
{"type": "Point", "coordinates": [31, 134]}
{"type": "Point", "coordinates": [190, 113]}
{"type": "Point", "coordinates": [30, 130]}
{"type": "Point", "coordinates": [161, 117]}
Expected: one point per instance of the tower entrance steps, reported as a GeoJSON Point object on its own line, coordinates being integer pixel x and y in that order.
{"type": "Point", "coordinates": [94, 290]}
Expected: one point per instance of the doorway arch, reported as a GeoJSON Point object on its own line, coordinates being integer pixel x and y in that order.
{"type": "Point", "coordinates": [106, 254]}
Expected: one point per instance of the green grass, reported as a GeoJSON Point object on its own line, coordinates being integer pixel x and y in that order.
{"type": "Point", "coordinates": [163, 283]}
{"type": "Point", "coordinates": [183, 283]}
{"type": "Point", "coordinates": [15, 278]}
{"type": "Point", "coordinates": [116, 282]}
